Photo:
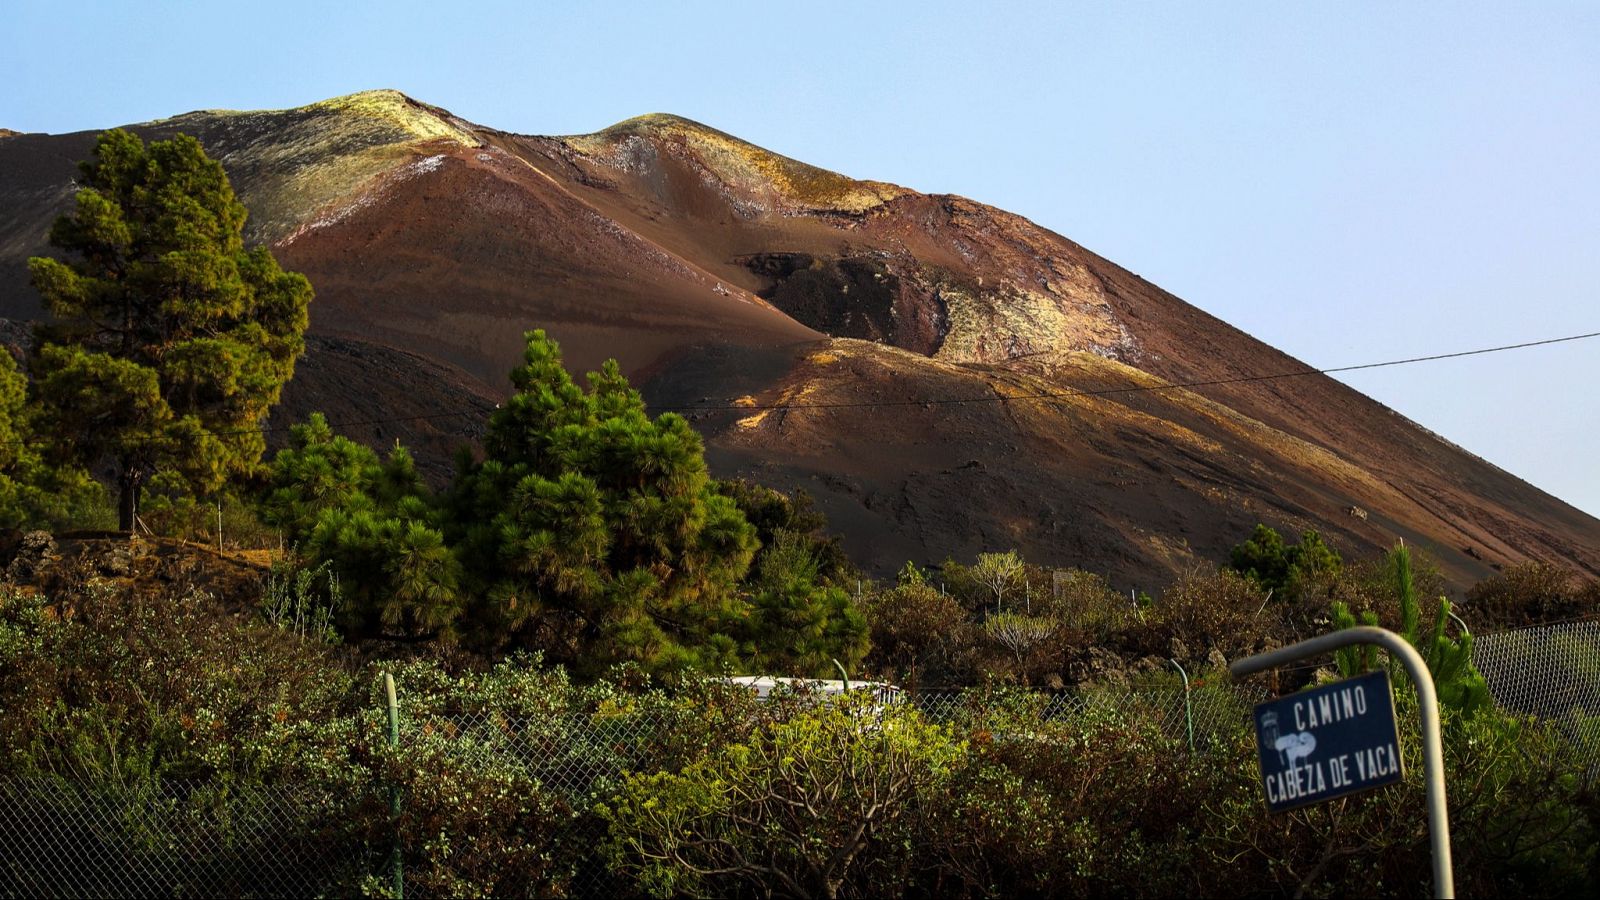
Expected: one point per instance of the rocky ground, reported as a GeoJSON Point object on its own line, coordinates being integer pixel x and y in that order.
{"type": "Point", "coordinates": [159, 567]}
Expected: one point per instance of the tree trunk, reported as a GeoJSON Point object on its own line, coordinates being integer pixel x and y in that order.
{"type": "Point", "coordinates": [127, 497]}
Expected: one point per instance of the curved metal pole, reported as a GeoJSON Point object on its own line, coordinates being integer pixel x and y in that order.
{"type": "Point", "coordinates": [396, 866]}
{"type": "Point", "coordinates": [1427, 699]}
{"type": "Point", "coordinates": [1188, 706]}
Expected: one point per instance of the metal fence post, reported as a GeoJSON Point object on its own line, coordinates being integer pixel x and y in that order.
{"type": "Point", "coordinates": [843, 674]}
{"type": "Point", "coordinates": [395, 863]}
{"type": "Point", "coordinates": [1188, 703]}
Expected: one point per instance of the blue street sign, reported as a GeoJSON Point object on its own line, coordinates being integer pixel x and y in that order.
{"type": "Point", "coordinates": [1328, 742]}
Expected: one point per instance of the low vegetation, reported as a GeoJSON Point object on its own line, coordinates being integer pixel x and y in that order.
{"type": "Point", "coordinates": [516, 778]}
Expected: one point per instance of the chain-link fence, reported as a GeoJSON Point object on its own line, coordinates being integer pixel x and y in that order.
{"type": "Point", "coordinates": [581, 759]}
{"type": "Point", "coordinates": [1193, 715]}
{"type": "Point", "coordinates": [64, 839]}
{"type": "Point", "coordinates": [1548, 671]}
{"type": "Point", "coordinates": [59, 839]}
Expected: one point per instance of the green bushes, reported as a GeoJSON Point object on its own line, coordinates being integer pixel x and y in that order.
{"type": "Point", "coordinates": [921, 635]}
{"type": "Point", "coordinates": [821, 803]}
{"type": "Point", "coordinates": [1002, 619]}
{"type": "Point", "coordinates": [1219, 610]}
{"type": "Point", "coordinates": [515, 780]}
{"type": "Point", "coordinates": [115, 687]}
{"type": "Point", "coordinates": [184, 720]}
{"type": "Point", "coordinates": [1530, 593]}
{"type": "Point", "coordinates": [167, 508]}
{"type": "Point", "coordinates": [304, 601]}
{"type": "Point", "coordinates": [1095, 802]}
{"type": "Point", "coordinates": [1008, 801]}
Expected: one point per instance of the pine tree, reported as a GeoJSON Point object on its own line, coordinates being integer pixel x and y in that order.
{"type": "Point", "coordinates": [32, 492]}
{"type": "Point", "coordinates": [1461, 687]}
{"type": "Point", "coordinates": [171, 339]}
{"type": "Point", "coordinates": [799, 625]}
{"type": "Point", "coordinates": [588, 530]}
{"type": "Point", "coordinates": [597, 528]}
{"type": "Point", "coordinates": [375, 524]}
{"type": "Point", "coordinates": [1281, 567]}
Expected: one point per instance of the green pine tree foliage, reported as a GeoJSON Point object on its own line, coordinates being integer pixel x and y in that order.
{"type": "Point", "coordinates": [772, 512]}
{"type": "Point", "coordinates": [375, 523]}
{"type": "Point", "coordinates": [1269, 561]}
{"type": "Point", "coordinates": [588, 530]}
{"type": "Point", "coordinates": [799, 624]}
{"type": "Point", "coordinates": [33, 493]}
{"type": "Point", "coordinates": [171, 339]}
{"type": "Point", "coordinates": [802, 616]}
{"type": "Point", "coordinates": [1263, 558]}
{"type": "Point", "coordinates": [1312, 558]}
{"type": "Point", "coordinates": [596, 531]}
{"type": "Point", "coordinates": [1461, 687]}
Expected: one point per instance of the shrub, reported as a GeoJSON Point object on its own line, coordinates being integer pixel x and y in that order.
{"type": "Point", "coordinates": [508, 777]}
{"type": "Point", "coordinates": [921, 636]}
{"type": "Point", "coordinates": [113, 686]}
{"type": "Point", "coordinates": [304, 600]}
{"type": "Point", "coordinates": [476, 818]}
{"type": "Point", "coordinates": [1019, 633]}
{"type": "Point", "coordinates": [1528, 594]}
{"type": "Point", "coordinates": [1095, 802]}
{"type": "Point", "coordinates": [816, 804]}
{"type": "Point", "coordinates": [1220, 610]}
{"type": "Point", "coordinates": [1284, 568]}
{"type": "Point", "coordinates": [1371, 585]}
{"type": "Point", "coordinates": [1084, 602]}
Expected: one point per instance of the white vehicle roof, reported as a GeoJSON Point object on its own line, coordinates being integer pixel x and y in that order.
{"type": "Point", "coordinates": [764, 685]}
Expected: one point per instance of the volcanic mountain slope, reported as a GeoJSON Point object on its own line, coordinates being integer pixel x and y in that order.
{"type": "Point", "coordinates": [902, 356]}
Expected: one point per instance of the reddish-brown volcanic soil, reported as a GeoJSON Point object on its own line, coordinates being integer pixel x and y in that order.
{"type": "Point", "coordinates": [1136, 485]}
{"type": "Point", "coordinates": [716, 273]}
{"type": "Point", "coordinates": [458, 263]}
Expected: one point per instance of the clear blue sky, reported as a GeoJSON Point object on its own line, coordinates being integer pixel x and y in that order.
{"type": "Point", "coordinates": [1350, 182]}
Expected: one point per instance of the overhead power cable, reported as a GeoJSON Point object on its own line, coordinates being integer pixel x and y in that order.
{"type": "Point", "coordinates": [1135, 389]}
{"type": "Point", "coordinates": [948, 401]}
